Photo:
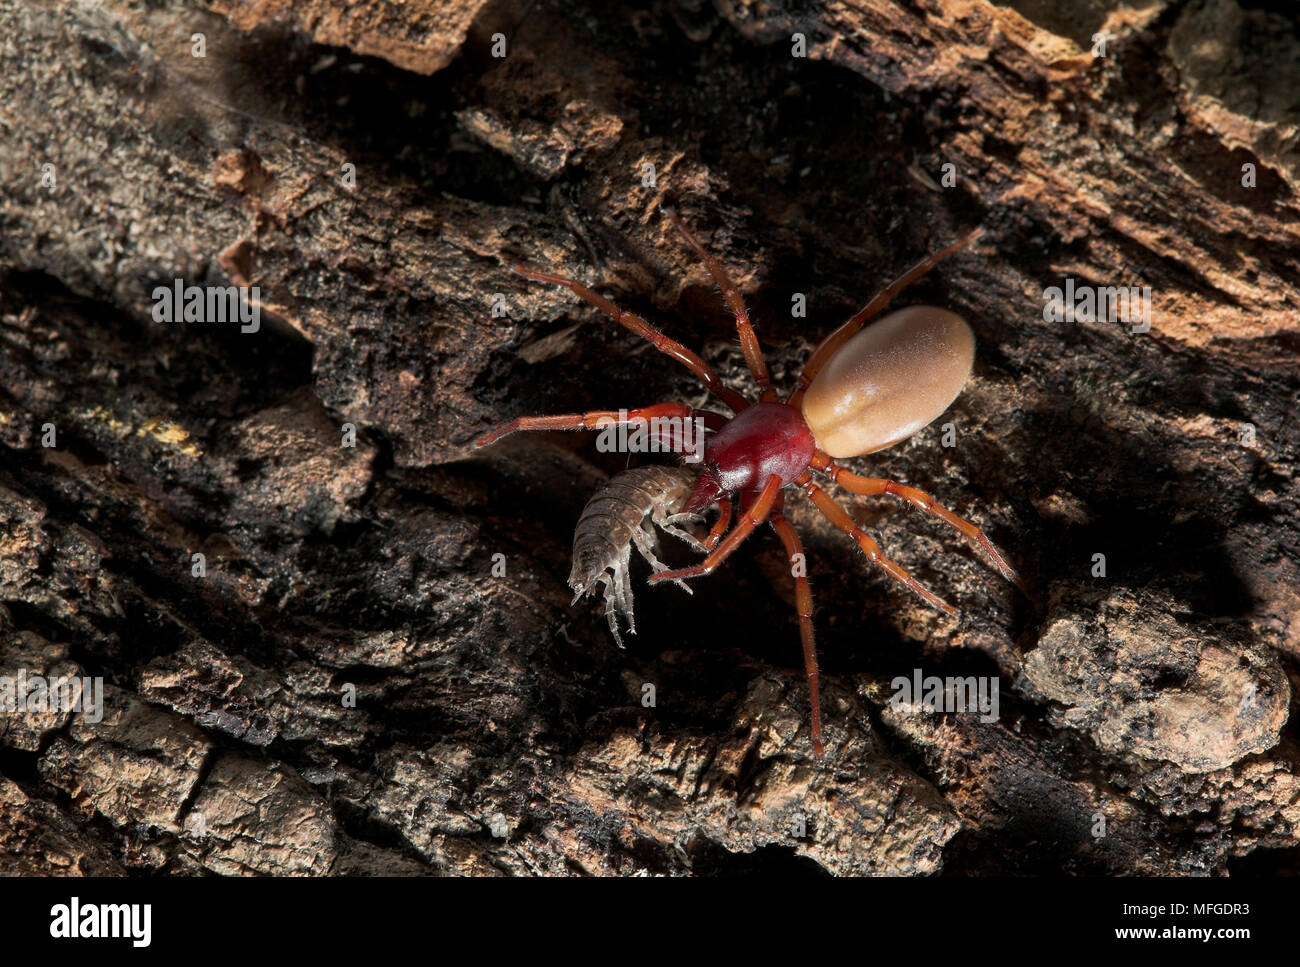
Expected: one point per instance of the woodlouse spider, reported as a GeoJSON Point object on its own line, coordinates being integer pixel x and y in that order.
{"type": "Point", "coordinates": [860, 391]}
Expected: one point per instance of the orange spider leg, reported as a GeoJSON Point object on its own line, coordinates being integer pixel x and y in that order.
{"type": "Point", "coordinates": [838, 516]}
{"type": "Point", "coordinates": [748, 340]}
{"type": "Point", "coordinates": [591, 420]}
{"type": "Point", "coordinates": [803, 604]}
{"type": "Point", "coordinates": [822, 354]}
{"type": "Point", "coordinates": [750, 518]}
{"type": "Point", "coordinates": [872, 486]}
{"type": "Point", "coordinates": [636, 324]}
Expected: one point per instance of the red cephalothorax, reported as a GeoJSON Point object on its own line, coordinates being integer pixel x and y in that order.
{"type": "Point", "coordinates": [859, 392]}
{"type": "Point", "coordinates": [766, 440]}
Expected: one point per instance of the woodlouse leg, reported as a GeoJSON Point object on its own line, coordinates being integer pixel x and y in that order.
{"type": "Point", "coordinates": [612, 592]}
{"type": "Point", "coordinates": [750, 518]}
{"type": "Point", "coordinates": [645, 543]}
{"type": "Point", "coordinates": [669, 526]}
{"type": "Point", "coordinates": [748, 339]}
{"type": "Point", "coordinates": [873, 486]}
{"type": "Point", "coordinates": [626, 603]}
{"type": "Point", "coordinates": [838, 516]}
{"type": "Point", "coordinates": [589, 421]}
{"type": "Point", "coordinates": [803, 604]}
{"type": "Point", "coordinates": [836, 339]}
{"type": "Point", "coordinates": [636, 324]}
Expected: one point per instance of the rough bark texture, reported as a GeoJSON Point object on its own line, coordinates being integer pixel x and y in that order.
{"type": "Point", "coordinates": [1143, 722]}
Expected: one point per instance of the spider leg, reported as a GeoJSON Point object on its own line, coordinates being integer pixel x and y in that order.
{"type": "Point", "coordinates": [750, 518]}
{"type": "Point", "coordinates": [836, 339]}
{"type": "Point", "coordinates": [872, 486]}
{"type": "Point", "coordinates": [592, 421]}
{"type": "Point", "coordinates": [636, 324]}
{"type": "Point", "coordinates": [838, 516]}
{"type": "Point", "coordinates": [748, 340]}
{"type": "Point", "coordinates": [803, 604]}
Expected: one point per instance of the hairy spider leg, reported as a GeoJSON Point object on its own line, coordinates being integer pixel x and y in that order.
{"type": "Point", "coordinates": [678, 439]}
{"type": "Point", "coordinates": [872, 486]}
{"type": "Point", "coordinates": [750, 517]}
{"type": "Point", "coordinates": [838, 516]}
{"type": "Point", "coordinates": [592, 420]}
{"type": "Point", "coordinates": [823, 353]}
{"type": "Point", "coordinates": [748, 339]}
{"type": "Point", "coordinates": [804, 606]}
{"type": "Point", "coordinates": [636, 324]}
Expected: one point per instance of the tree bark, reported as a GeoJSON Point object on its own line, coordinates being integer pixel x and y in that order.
{"type": "Point", "coordinates": [347, 657]}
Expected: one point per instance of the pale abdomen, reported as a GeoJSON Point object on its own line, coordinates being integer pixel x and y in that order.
{"type": "Point", "coordinates": [890, 380]}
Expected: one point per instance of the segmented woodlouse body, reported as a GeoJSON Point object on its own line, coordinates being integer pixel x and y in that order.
{"type": "Point", "coordinates": [624, 513]}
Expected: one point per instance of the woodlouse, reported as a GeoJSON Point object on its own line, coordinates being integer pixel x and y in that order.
{"type": "Point", "coordinates": [624, 513]}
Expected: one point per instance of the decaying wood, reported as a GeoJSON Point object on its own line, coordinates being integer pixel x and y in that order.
{"type": "Point", "coordinates": [354, 687]}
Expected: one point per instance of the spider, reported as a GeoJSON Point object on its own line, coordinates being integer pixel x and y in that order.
{"type": "Point", "coordinates": [860, 391]}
